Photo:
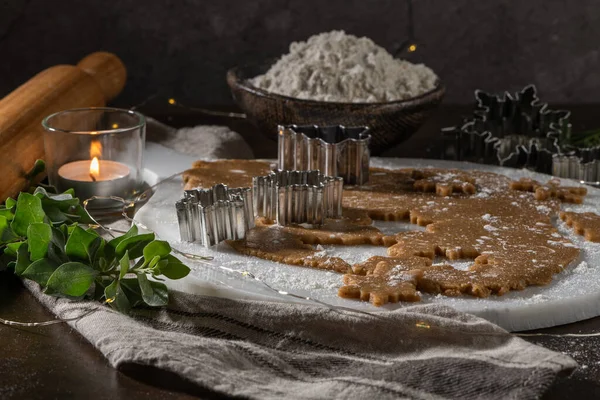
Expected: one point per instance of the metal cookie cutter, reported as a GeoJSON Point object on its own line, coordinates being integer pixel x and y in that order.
{"type": "Point", "coordinates": [333, 150]}
{"type": "Point", "coordinates": [210, 216]}
{"type": "Point", "coordinates": [582, 165]}
{"type": "Point", "coordinates": [510, 130]}
{"type": "Point", "coordinates": [297, 197]}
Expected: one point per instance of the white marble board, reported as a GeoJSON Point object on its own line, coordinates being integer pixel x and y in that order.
{"type": "Point", "coordinates": [572, 296]}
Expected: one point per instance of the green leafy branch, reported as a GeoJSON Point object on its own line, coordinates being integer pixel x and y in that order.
{"type": "Point", "coordinates": [585, 139]}
{"type": "Point", "coordinates": [45, 237]}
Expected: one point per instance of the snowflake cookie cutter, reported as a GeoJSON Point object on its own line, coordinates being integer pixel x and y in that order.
{"type": "Point", "coordinates": [334, 150]}
{"type": "Point", "coordinates": [296, 197]}
{"type": "Point", "coordinates": [510, 130]}
{"type": "Point", "coordinates": [209, 216]}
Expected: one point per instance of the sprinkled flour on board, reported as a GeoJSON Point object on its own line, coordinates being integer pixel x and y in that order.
{"type": "Point", "coordinates": [571, 295]}
{"type": "Point", "coordinates": [337, 67]}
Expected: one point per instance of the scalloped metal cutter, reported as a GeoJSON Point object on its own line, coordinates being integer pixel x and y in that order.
{"type": "Point", "coordinates": [210, 216]}
{"type": "Point", "coordinates": [298, 197]}
{"type": "Point", "coordinates": [333, 150]}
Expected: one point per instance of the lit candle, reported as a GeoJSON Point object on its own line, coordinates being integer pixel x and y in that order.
{"type": "Point", "coordinates": [96, 178]}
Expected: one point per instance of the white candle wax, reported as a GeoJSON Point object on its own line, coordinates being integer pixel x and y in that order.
{"type": "Point", "coordinates": [80, 171]}
{"type": "Point", "coordinates": [112, 179]}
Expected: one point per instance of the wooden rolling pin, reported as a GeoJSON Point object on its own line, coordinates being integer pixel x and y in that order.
{"type": "Point", "coordinates": [95, 80]}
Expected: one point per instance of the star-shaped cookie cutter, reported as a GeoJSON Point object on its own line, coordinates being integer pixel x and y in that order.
{"type": "Point", "coordinates": [288, 197]}
{"type": "Point", "coordinates": [510, 130]}
{"type": "Point", "coordinates": [210, 216]}
{"type": "Point", "coordinates": [334, 150]}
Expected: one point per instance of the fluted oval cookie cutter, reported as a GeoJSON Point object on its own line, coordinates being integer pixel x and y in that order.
{"type": "Point", "coordinates": [289, 197]}
{"type": "Point", "coordinates": [582, 165]}
{"type": "Point", "coordinates": [209, 216]}
{"type": "Point", "coordinates": [334, 150]}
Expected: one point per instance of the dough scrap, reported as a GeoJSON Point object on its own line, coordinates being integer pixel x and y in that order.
{"type": "Point", "coordinates": [443, 184]}
{"type": "Point", "coordinates": [275, 244]}
{"type": "Point", "coordinates": [385, 284]}
{"type": "Point", "coordinates": [552, 189]}
{"type": "Point", "coordinates": [585, 224]}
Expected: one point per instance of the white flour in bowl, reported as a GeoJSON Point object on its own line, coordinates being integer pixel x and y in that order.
{"type": "Point", "coordinates": [337, 67]}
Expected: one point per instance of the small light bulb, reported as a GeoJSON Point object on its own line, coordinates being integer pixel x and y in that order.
{"type": "Point", "coordinates": [171, 101]}
{"type": "Point", "coordinates": [412, 48]}
{"type": "Point", "coordinates": [422, 324]}
{"type": "Point", "coordinates": [115, 126]}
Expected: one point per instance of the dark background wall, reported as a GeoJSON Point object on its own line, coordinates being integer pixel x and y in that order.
{"type": "Point", "coordinates": [183, 48]}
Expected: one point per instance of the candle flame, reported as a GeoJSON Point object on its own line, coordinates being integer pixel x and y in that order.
{"type": "Point", "coordinates": [95, 149]}
{"type": "Point", "coordinates": [95, 168]}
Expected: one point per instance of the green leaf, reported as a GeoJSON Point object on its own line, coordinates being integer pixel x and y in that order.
{"type": "Point", "coordinates": [154, 261]}
{"type": "Point", "coordinates": [38, 167]}
{"type": "Point", "coordinates": [7, 213]}
{"type": "Point", "coordinates": [83, 215]}
{"type": "Point", "coordinates": [155, 248]}
{"type": "Point", "coordinates": [78, 243]}
{"type": "Point", "coordinates": [124, 263]}
{"type": "Point", "coordinates": [12, 249]}
{"type": "Point", "coordinates": [71, 279]}
{"type": "Point", "coordinates": [134, 245]}
{"type": "Point", "coordinates": [64, 229]}
{"type": "Point", "coordinates": [116, 297]}
{"type": "Point", "coordinates": [56, 248]}
{"type": "Point", "coordinates": [29, 211]}
{"type": "Point", "coordinates": [102, 264]}
{"type": "Point", "coordinates": [23, 260]}
{"type": "Point", "coordinates": [108, 254]}
{"type": "Point", "coordinates": [174, 269]}
{"type": "Point", "coordinates": [40, 271]}
{"type": "Point", "coordinates": [56, 216]}
{"type": "Point", "coordinates": [155, 294]}
{"type": "Point", "coordinates": [133, 231]}
{"type": "Point", "coordinates": [63, 200]}
{"type": "Point", "coordinates": [58, 237]}
{"type": "Point", "coordinates": [131, 286]}
{"type": "Point", "coordinates": [94, 248]}
{"type": "Point", "coordinates": [10, 203]}
{"type": "Point", "coordinates": [60, 208]}
{"type": "Point", "coordinates": [6, 234]}
{"type": "Point", "coordinates": [39, 236]}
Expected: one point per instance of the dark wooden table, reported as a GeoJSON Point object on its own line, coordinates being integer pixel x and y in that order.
{"type": "Point", "coordinates": [55, 362]}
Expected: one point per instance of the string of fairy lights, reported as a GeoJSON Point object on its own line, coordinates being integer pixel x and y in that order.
{"type": "Point", "coordinates": [409, 45]}
{"type": "Point", "coordinates": [422, 325]}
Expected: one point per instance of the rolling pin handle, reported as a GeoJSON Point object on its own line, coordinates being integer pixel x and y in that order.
{"type": "Point", "coordinates": [107, 70]}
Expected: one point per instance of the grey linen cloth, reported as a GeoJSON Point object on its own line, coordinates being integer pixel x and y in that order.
{"type": "Point", "coordinates": [273, 350]}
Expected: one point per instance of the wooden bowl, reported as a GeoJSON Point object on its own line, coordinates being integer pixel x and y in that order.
{"type": "Point", "coordinates": [390, 123]}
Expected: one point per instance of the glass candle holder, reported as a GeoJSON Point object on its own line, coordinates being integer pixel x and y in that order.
{"type": "Point", "coordinates": [95, 151]}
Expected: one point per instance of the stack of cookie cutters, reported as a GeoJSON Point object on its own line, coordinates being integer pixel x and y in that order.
{"type": "Point", "coordinates": [333, 150]}
{"type": "Point", "coordinates": [289, 197]}
{"type": "Point", "coordinates": [314, 162]}
{"type": "Point", "coordinates": [209, 216]}
{"type": "Point", "coordinates": [511, 130]}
